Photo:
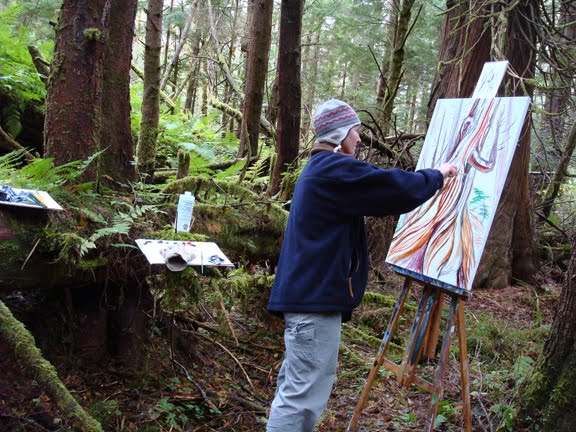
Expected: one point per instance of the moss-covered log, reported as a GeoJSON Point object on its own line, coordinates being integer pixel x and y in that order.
{"type": "Point", "coordinates": [236, 218]}
{"type": "Point", "coordinates": [21, 343]}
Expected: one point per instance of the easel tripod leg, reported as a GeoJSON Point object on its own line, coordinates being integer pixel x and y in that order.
{"type": "Point", "coordinates": [464, 371]}
{"type": "Point", "coordinates": [380, 356]}
{"type": "Point", "coordinates": [406, 368]}
{"type": "Point", "coordinates": [441, 369]}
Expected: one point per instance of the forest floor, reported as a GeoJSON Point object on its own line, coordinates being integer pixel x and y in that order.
{"type": "Point", "coordinates": [212, 382]}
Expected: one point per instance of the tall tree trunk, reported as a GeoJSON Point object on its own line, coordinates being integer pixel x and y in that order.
{"type": "Point", "coordinates": [412, 112]}
{"type": "Point", "coordinates": [194, 79]}
{"type": "Point", "coordinates": [392, 18]}
{"type": "Point", "coordinates": [509, 250]}
{"type": "Point", "coordinates": [74, 101]}
{"type": "Point", "coordinates": [289, 90]}
{"type": "Point", "coordinates": [167, 40]}
{"type": "Point", "coordinates": [179, 46]}
{"type": "Point", "coordinates": [396, 64]}
{"type": "Point", "coordinates": [561, 78]}
{"type": "Point", "coordinates": [311, 77]}
{"type": "Point", "coordinates": [257, 70]}
{"type": "Point", "coordinates": [228, 122]}
{"type": "Point", "coordinates": [560, 173]}
{"type": "Point", "coordinates": [220, 58]}
{"type": "Point", "coordinates": [549, 399]}
{"type": "Point", "coordinates": [562, 74]}
{"type": "Point", "coordinates": [146, 150]}
{"type": "Point", "coordinates": [464, 49]}
{"type": "Point", "coordinates": [116, 134]}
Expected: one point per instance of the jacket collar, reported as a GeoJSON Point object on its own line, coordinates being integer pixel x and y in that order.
{"type": "Point", "coordinates": [322, 146]}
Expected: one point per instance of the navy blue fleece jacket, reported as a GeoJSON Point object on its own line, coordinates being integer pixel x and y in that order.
{"type": "Point", "coordinates": [323, 263]}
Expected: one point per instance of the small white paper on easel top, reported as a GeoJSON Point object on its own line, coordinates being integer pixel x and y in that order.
{"type": "Point", "coordinates": [202, 253]}
{"type": "Point", "coordinates": [30, 198]}
{"type": "Point", "coordinates": [490, 79]}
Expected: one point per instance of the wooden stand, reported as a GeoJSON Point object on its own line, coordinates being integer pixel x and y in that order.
{"type": "Point", "coordinates": [423, 341]}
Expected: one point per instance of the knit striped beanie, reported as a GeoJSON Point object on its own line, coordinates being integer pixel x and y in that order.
{"type": "Point", "coordinates": [333, 120]}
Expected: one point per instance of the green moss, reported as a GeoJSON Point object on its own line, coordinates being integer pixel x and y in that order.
{"type": "Point", "coordinates": [106, 412]}
{"type": "Point", "coordinates": [177, 291]}
{"type": "Point", "coordinates": [92, 34]}
{"type": "Point", "coordinates": [22, 344]}
{"type": "Point", "coordinates": [89, 264]}
{"type": "Point", "coordinates": [562, 400]}
{"type": "Point", "coordinates": [12, 253]}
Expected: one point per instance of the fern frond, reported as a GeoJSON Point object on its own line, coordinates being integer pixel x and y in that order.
{"type": "Point", "coordinates": [119, 228]}
{"type": "Point", "coordinates": [9, 163]}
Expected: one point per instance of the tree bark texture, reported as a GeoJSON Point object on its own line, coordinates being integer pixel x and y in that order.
{"type": "Point", "coordinates": [228, 123]}
{"type": "Point", "coordinates": [549, 399]}
{"type": "Point", "coordinates": [560, 172]}
{"type": "Point", "coordinates": [289, 90]}
{"type": "Point", "coordinates": [396, 62]}
{"type": "Point", "coordinates": [74, 101]}
{"type": "Point", "coordinates": [385, 66]}
{"type": "Point", "coordinates": [310, 78]}
{"type": "Point", "coordinates": [146, 150]}
{"type": "Point", "coordinates": [21, 343]}
{"type": "Point", "coordinates": [464, 49]}
{"type": "Point", "coordinates": [116, 134]}
{"type": "Point", "coordinates": [509, 250]}
{"type": "Point", "coordinates": [562, 71]}
{"type": "Point", "coordinates": [257, 69]}
{"type": "Point", "coordinates": [178, 50]}
{"type": "Point", "coordinates": [193, 80]}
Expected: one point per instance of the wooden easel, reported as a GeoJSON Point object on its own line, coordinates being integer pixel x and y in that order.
{"type": "Point", "coordinates": [424, 340]}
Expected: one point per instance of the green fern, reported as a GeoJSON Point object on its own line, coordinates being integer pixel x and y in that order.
{"type": "Point", "coordinates": [18, 76]}
{"type": "Point", "coordinates": [41, 173]}
{"type": "Point", "coordinates": [11, 120]}
{"type": "Point", "coordinates": [231, 171]}
{"type": "Point", "coordinates": [117, 228]}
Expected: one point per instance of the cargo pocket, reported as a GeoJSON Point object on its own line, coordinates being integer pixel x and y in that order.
{"type": "Point", "coordinates": [300, 348]}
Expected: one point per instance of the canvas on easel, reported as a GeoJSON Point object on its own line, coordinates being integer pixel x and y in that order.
{"type": "Point", "coordinates": [439, 244]}
{"type": "Point", "coordinates": [442, 240]}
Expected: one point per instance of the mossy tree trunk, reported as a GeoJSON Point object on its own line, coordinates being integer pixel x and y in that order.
{"type": "Point", "coordinates": [402, 15]}
{"type": "Point", "coordinates": [549, 399]}
{"type": "Point", "coordinates": [193, 80]}
{"type": "Point", "coordinates": [74, 101]}
{"type": "Point", "coordinates": [146, 149]}
{"type": "Point", "coordinates": [560, 173]}
{"type": "Point", "coordinates": [116, 134]}
{"type": "Point", "coordinates": [391, 17]}
{"type": "Point", "coordinates": [21, 343]}
{"type": "Point", "coordinates": [289, 90]}
{"type": "Point", "coordinates": [557, 99]}
{"type": "Point", "coordinates": [88, 103]}
{"type": "Point", "coordinates": [257, 68]}
{"type": "Point", "coordinates": [464, 48]}
{"type": "Point", "coordinates": [558, 95]}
